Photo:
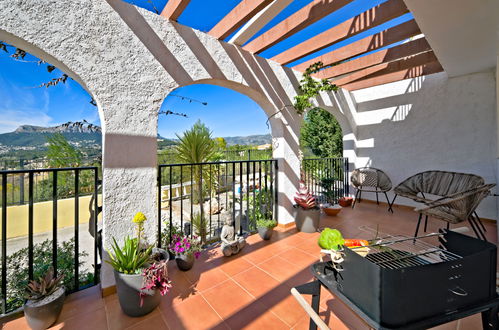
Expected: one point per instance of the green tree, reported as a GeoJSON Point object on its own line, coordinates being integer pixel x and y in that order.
{"type": "Point", "coordinates": [321, 134]}
{"type": "Point", "coordinates": [197, 146]}
{"type": "Point", "coordinates": [62, 154]}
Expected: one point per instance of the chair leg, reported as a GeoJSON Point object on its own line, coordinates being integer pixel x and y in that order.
{"type": "Point", "coordinates": [391, 204]}
{"type": "Point", "coordinates": [476, 228]}
{"type": "Point", "coordinates": [448, 225]}
{"type": "Point", "coordinates": [360, 195]}
{"type": "Point", "coordinates": [355, 200]}
{"type": "Point", "coordinates": [419, 222]}
{"type": "Point", "coordinates": [388, 201]}
{"type": "Point", "coordinates": [479, 221]}
{"type": "Point", "coordinates": [425, 223]}
{"type": "Point", "coordinates": [377, 200]}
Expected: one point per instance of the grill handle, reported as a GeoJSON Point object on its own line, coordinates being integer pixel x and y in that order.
{"type": "Point", "coordinates": [310, 311]}
{"type": "Point", "coordinates": [459, 291]}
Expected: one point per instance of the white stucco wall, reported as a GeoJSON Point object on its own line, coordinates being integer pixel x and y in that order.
{"type": "Point", "coordinates": [429, 123]}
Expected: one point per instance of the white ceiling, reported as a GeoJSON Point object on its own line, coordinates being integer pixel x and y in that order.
{"type": "Point", "coordinates": [463, 33]}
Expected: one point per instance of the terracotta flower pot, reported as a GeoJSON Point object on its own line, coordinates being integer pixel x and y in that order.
{"type": "Point", "coordinates": [331, 211]}
{"type": "Point", "coordinates": [345, 201]}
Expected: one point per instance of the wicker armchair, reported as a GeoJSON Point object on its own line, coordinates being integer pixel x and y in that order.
{"type": "Point", "coordinates": [369, 179]}
{"type": "Point", "coordinates": [457, 208]}
{"type": "Point", "coordinates": [437, 183]}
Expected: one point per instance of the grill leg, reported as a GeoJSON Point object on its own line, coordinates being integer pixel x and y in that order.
{"type": "Point", "coordinates": [419, 222]}
{"type": "Point", "coordinates": [391, 204]}
{"type": "Point", "coordinates": [490, 319]}
{"type": "Point", "coordinates": [388, 201]}
{"type": "Point", "coordinates": [425, 223]}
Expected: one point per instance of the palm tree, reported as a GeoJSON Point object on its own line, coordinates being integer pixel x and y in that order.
{"type": "Point", "coordinates": [197, 146]}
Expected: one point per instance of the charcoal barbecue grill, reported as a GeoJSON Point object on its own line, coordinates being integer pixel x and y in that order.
{"type": "Point", "coordinates": [408, 283]}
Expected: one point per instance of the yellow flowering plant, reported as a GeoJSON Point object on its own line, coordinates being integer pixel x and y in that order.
{"type": "Point", "coordinates": [130, 258]}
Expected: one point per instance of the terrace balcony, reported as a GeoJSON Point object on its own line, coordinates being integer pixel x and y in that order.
{"type": "Point", "coordinates": [250, 290]}
{"type": "Point", "coordinates": [417, 90]}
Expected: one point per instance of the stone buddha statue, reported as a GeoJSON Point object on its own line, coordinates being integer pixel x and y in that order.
{"type": "Point", "coordinates": [231, 244]}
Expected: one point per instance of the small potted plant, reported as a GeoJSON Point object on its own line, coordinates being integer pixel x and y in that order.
{"type": "Point", "coordinates": [307, 215]}
{"type": "Point", "coordinates": [330, 208]}
{"type": "Point", "coordinates": [45, 298]}
{"type": "Point", "coordinates": [186, 250]}
{"type": "Point", "coordinates": [265, 227]}
{"type": "Point", "coordinates": [132, 265]}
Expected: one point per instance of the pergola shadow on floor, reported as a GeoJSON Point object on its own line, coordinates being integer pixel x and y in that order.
{"type": "Point", "coordinates": [250, 290]}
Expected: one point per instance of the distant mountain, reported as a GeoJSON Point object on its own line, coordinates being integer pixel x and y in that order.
{"type": "Point", "coordinates": [36, 136]}
{"type": "Point", "coordinates": [249, 140]}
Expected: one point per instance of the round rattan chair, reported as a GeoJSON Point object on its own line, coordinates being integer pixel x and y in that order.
{"type": "Point", "coordinates": [370, 179]}
{"type": "Point", "coordinates": [457, 208]}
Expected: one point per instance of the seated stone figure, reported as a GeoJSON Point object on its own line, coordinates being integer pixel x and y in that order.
{"type": "Point", "coordinates": [231, 244]}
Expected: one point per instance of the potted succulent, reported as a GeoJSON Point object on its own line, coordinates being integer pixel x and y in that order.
{"type": "Point", "coordinates": [186, 250]}
{"type": "Point", "coordinates": [265, 227]}
{"type": "Point", "coordinates": [44, 300]}
{"type": "Point", "coordinates": [307, 215]}
{"type": "Point", "coordinates": [139, 274]}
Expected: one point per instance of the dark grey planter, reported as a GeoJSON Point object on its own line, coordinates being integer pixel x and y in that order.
{"type": "Point", "coordinates": [42, 314]}
{"type": "Point", "coordinates": [185, 261]}
{"type": "Point", "coordinates": [128, 288]}
{"type": "Point", "coordinates": [265, 233]}
{"type": "Point", "coordinates": [307, 221]}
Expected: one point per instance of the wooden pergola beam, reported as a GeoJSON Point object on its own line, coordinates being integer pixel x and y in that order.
{"type": "Point", "coordinates": [237, 17]}
{"type": "Point", "coordinates": [385, 68]}
{"type": "Point", "coordinates": [304, 17]}
{"type": "Point", "coordinates": [258, 21]}
{"type": "Point", "coordinates": [360, 23]}
{"type": "Point", "coordinates": [174, 8]}
{"type": "Point", "coordinates": [421, 70]}
{"type": "Point", "coordinates": [383, 56]}
{"type": "Point", "coordinates": [379, 40]}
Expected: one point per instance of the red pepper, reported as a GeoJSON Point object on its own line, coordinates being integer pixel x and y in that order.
{"type": "Point", "coordinates": [355, 242]}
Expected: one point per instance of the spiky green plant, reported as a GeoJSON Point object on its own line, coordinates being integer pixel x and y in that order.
{"type": "Point", "coordinates": [44, 287]}
{"type": "Point", "coordinates": [130, 258]}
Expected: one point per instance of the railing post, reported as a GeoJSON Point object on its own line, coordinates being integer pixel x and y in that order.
{"type": "Point", "coordinates": [54, 222]}
{"type": "Point", "coordinates": [76, 229]}
{"type": "Point", "coordinates": [4, 242]}
{"type": "Point", "coordinates": [159, 206]}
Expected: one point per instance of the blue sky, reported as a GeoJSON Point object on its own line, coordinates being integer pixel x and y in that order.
{"type": "Point", "coordinates": [228, 113]}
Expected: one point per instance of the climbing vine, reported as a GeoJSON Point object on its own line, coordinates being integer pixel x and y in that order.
{"type": "Point", "coordinates": [310, 88]}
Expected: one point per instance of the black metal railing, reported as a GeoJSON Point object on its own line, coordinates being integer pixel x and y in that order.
{"type": "Point", "coordinates": [23, 261]}
{"type": "Point", "coordinates": [200, 198]}
{"type": "Point", "coordinates": [326, 178]}
{"type": "Point", "coordinates": [17, 192]}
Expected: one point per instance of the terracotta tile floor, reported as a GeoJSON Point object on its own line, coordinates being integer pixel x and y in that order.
{"type": "Point", "coordinates": [250, 290]}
